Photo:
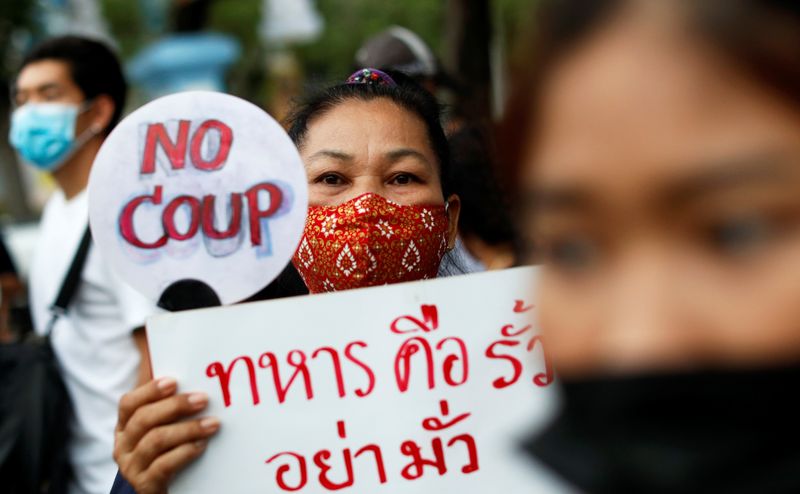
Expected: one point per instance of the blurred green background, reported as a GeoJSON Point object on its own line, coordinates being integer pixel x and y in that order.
{"type": "Point", "coordinates": [464, 34]}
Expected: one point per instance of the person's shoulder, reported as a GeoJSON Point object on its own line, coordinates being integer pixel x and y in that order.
{"type": "Point", "coordinates": [63, 212]}
{"type": "Point", "coordinates": [54, 203]}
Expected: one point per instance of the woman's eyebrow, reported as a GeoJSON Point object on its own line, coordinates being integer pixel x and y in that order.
{"type": "Point", "coordinates": [398, 154]}
{"type": "Point", "coordinates": [332, 154]}
{"type": "Point", "coordinates": [756, 170]}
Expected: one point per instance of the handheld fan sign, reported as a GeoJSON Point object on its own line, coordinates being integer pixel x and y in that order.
{"type": "Point", "coordinates": [202, 188]}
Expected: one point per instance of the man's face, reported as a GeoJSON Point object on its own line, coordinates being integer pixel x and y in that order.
{"type": "Point", "coordinates": [50, 81]}
{"type": "Point", "coordinates": [46, 81]}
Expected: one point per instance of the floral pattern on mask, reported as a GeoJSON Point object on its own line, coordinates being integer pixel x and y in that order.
{"type": "Point", "coordinates": [370, 241]}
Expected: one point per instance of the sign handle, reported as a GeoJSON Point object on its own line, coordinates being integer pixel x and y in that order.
{"type": "Point", "coordinates": [188, 294]}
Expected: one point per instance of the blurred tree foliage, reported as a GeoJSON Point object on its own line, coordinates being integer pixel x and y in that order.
{"type": "Point", "coordinates": [14, 15]}
{"type": "Point", "coordinates": [347, 24]}
{"type": "Point", "coordinates": [513, 17]}
{"type": "Point", "coordinates": [126, 24]}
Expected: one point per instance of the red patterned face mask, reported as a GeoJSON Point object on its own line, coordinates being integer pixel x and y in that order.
{"type": "Point", "coordinates": [370, 241]}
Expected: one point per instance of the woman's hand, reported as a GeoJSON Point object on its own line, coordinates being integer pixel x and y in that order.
{"type": "Point", "coordinates": [151, 441]}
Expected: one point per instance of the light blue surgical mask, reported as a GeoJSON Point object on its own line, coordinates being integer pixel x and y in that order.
{"type": "Point", "coordinates": [44, 133]}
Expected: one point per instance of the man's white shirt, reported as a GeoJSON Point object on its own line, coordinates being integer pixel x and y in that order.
{"type": "Point", "coordinates": [93, 341]}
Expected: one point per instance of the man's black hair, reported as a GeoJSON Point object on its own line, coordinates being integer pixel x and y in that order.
{"type": "Point", "coordinates": [94, 68]}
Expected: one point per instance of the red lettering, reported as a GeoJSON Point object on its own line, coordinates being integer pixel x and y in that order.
{"type": "Point", "coordinates": [217, 370]}
{"type": "Point", "coordinates": [175, 151]}
{"type": "Point", "coordinates": [323, 455]}
{"type": "Point", "coordinates": [545, 378]}
{"type": "Point", "coordinates": [451, 360]}
{"type": "Point", "coordinates": [337, 367]}
{"type": "Point", "coordinates": [321, 459]}
{"type": "Point", "coordinates": [296, 359]}
{"type": "Point", "coordinates": [348, 354]}
{"type": "Point", "coordinates": [472, 451]}
{"type": "Point", "coordinates": [224, 147]}
{"type": "Point", "coordinates": [209, 213]}
{"type": "Point", "coordinates": [509, 332]}
{"type": "Point", "coordinates": [501, 382]}
{"type": "Point", "coordinates": [540, 379]}
{"type": "Point", "coordinates": [437, 424]}
{"type": "Point", "coordinates": [402, 362]}
{"type": "Point", "coordinates": [429, 321]}
{"type": "Point", "coordinates": [255, 213]}
{"type": "Point", "coordinates": [520, 307]}
{"type": "Point", "coordinates": [126, 227]}
{"type": "Point", "coordinates": [168, 217]}
{"type": "Point", "coordinates": [376, 453]}
{"type": "Point", "coordinates": [284, 469]}
{"type": "Point", "coordinates": [415, 469]}
{"type": "Point", "coordinates": [200, 213]}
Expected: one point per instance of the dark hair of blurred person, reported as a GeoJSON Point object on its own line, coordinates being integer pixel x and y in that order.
{"type": "Point", "coordinates": [485, 226]}
{"type": "Point", "coordinates": [659, 153]}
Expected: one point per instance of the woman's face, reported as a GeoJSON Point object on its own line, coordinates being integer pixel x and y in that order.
{"type": "Point", "coordinates": [373, 146]}
{"type": "Point", "coordinates": [370, 146]}
{"type": "Point", "coordinates": [663, 193]}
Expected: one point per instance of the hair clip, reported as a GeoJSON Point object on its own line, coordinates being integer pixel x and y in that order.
{"type": "Point", "coordinates": [371, 76]}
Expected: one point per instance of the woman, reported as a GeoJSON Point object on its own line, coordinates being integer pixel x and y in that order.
{"type": "Point", "coordinates": [376, 159]}
{"type": "Point", "coordinates": [380, 212]}
{"type": "Point", "coordinates": [660, 144]}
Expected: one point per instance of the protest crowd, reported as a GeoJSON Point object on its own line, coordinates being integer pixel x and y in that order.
{"type": "Point", "coordinates": [563, 257]}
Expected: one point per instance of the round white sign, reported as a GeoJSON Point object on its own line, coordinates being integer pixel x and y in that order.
{"type": "Point", "coordinates": [198, 186]}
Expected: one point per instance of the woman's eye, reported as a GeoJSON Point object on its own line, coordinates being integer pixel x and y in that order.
{"type": "Point", "coordinates": [740, 236]}
{"type": "Point", "coordinates": [404, 179]}
{"type": "Point", "coordinates": [330, 179]}
{"type": "Point", "coordinates": [572, 254]}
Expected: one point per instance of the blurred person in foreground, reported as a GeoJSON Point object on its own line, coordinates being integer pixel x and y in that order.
{"type": "Point", "coordinates": [486, 229]}
{"type": "Point", "coordinates": [68, 95]}
{"type": "Point", "coordinates": [660, 153]}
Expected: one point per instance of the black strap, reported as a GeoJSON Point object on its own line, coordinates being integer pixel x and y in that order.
{"type": "Point", "coordinates": [71, 281]}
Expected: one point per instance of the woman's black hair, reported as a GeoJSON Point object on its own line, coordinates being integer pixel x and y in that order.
{"type": "Point", "coordinates": [406, 93]}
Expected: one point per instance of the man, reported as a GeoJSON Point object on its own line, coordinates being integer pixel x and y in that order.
{"type": "Point", "coordinates": [69, 94]}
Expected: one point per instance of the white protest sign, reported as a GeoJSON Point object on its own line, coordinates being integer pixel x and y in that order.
{"type": "Point", "coordinates": [198, 186]}
{"type": "Point", "coordinates": [425, 387]}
